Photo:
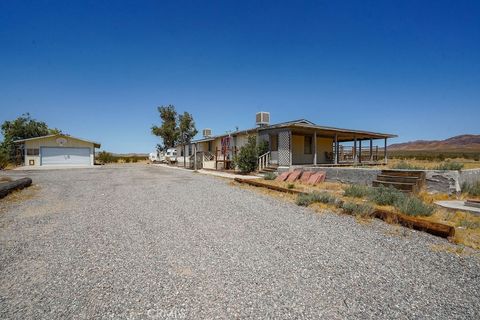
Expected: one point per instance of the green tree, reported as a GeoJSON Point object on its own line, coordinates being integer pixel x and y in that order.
{"type": "Point", "coordinates": [168, 130]}
{"type": "Point", "coordinates": [24, 127]}
{"type": "Point", "coordinates": [186, 132]}
{"type": "Point", "coordinates": [247, 157]}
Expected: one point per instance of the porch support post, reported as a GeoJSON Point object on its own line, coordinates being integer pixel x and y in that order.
{"type": "Point", "coordinates": [336, 149]}
{"type": "Point", "coordinates": [385, 157]}
{"type": "Point", "coordinates": [360, 150]}
{"type": "Point", "coordinates": [290, 142]}
{"type": "Point", "coordinates": [195, 157]}
{"type": "Point", "coordinates": [371, 149]}
{"type": "Point", "coordinates": [315, 148]}
{"type": "Point", "coordinates": [355, 159]}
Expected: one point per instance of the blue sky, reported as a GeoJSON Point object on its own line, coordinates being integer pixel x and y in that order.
{"type": "Point", "coordinates": [99, 69]}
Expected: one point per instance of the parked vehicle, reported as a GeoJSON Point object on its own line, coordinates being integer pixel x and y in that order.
{"type": "Point", "coordinates": [154, 157]}
{"type": "Point", "coordinates": [171, 155]}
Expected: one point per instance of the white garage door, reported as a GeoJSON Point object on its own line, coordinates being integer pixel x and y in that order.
{"type": "Point", "coordinates": [64, 156]}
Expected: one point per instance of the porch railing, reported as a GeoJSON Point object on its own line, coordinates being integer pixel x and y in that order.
{"type": "Point", "coordinates": [348, 154]}
{"type": "Point", "coordinates": [264, 160]}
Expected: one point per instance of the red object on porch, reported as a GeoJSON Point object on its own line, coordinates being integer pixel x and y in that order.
{"type": "Point", "coordinates": [305, 176]}
{"type": "Point", "coordinates": [294, 175]}
{"type": "Point", "coordinates": [317, 177]}
{"type": "Point", "coordinates": [282, 177]}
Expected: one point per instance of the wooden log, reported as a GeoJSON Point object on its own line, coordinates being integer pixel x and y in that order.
{"type": "Point", "coordinates": [435, 228]}
{"type": "Point", "coordinates": [7, 187]}
{"type": "Point", "coordinates": [255, 183]}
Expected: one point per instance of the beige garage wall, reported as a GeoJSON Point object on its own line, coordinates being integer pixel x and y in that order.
{"type": "Point", "coordinates": [51, 142]}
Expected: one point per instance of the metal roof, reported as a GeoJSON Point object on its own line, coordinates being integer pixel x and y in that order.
{"type": "Point", "coordinates": [302, 123]}
{"type": "Point", "coordinates": [96, 144]}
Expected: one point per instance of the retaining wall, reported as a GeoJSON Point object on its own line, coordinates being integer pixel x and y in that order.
{"type": "Point", "coordinates": [449, 181]}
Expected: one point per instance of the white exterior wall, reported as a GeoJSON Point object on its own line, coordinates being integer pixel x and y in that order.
{"type": "Point", "coordinates": [323, 145]}
{"type": "Point", "coordinates": [51, 142]}
{"type": "Point", "coordinates": [298, 155]}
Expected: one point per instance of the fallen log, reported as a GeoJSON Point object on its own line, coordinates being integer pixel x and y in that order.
{"type": "Point", "coordinates": [7, 187]}
{"type": "Point", "coordinates": [435, 228]}
{"type": "Point", "coordinates": [266, 185]}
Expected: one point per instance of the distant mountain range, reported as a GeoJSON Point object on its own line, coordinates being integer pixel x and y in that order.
{"type": "Point", "coordinates": [465, 142]}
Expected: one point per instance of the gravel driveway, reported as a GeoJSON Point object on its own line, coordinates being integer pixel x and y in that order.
{"type": "Point", "coordinates": [143, 242]}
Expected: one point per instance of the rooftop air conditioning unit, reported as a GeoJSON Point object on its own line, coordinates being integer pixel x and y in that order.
{"type": "Point", "coordinates": [207, 133]}
{"type": "Point", "coordinates": [262, 119]}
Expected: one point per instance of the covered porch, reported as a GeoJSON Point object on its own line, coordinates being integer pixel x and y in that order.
{"type": "Point", "coordinates": [310, 145]}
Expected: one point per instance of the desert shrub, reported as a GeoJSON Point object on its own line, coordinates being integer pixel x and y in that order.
{"type": "Point", "coordinates": [105, 157]}
{"type": "Point", "coordinates": [447, 165]}
{"type": "Point", "coordinates": [304, 199]}
{"type": "Point", "coordinates": [414, 207]}
{"type": "Point", "coordinates": [127, 160]}
{"type": "Point", "coordinates": [307, 199]}
{"type": "Point", "coordinates": [290, 186]}
{"type": "Point", "coordinates": [385, 196]}
{"type": "Point", "coordinates": [358, 209]}
{"type": "Point", "coordinates": [134, 159]}
{"type": "Point", "coordinates": [472, 189]}
{"type": "Point", "coordinates": [407, 166]}
{"type": "Point", "coordinates": [269, 176]}
{"type": "Point", "coordinates": [357, 191]}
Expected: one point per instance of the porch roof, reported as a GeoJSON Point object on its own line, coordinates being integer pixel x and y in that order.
{"type": "Point", "coordinates": [342, 134]}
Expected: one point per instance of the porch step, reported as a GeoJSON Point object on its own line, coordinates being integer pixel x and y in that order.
{"type": "Point", "coordinates": [270, 168]}
{"type": "Point", "coordinates": [402, 186]}
{"type": "Point", "coordinates": [404, 180]}
{"type": "Point", "coordinates": [404, 173]}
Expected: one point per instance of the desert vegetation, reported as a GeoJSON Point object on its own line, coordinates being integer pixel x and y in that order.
{"type": "Point", "coordinates": [104, 157]}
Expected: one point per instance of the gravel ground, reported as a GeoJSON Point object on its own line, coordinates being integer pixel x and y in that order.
{"type": "Point", "coordinates": [143, 242]}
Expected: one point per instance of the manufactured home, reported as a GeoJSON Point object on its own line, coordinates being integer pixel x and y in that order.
{"type": "Point", "coordinates": [296, 143]}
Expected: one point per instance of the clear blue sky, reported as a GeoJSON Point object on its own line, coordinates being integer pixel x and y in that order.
{"type": "Point", "coordinates": [98, 69]}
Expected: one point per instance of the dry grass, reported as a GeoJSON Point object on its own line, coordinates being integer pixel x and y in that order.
{"type": "Point", "coordinates": [5, 179]}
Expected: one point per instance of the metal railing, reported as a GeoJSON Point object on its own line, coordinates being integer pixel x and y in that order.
{"type": "Point", "coordinates": [264, 160]}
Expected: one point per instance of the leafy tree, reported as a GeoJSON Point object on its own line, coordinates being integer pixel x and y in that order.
{"type": "Point", "coordinates": [24, 127]}
{"type": "Point", "coordinates": [186, 131]}
{"type": "Point", "coordinates": [168, 131]}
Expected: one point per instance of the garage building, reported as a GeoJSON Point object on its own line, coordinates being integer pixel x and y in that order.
{"type": "Point", "coordinates": [58, 150]}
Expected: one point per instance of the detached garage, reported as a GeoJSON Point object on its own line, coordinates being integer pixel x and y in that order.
{"type": "Point", "coordinates": [58, 150]}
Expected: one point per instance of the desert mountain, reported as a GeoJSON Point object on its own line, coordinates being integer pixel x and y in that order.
{"type": "Point", "coordinates": [462, 142]}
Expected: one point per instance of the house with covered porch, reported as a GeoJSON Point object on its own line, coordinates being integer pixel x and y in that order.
{"type": "Point", "coordinates": [297, 143]}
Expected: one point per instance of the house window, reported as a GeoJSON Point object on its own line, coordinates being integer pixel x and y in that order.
{"type": "Point", "coordinates": [307, 145]}
{"type": "Point", "coordinates": [33, 152]}
{"type": "Point", "coordinates": [181, 152]}
{"type": "Point", "coordinates": [209, 146]}
{"type": "Point", "coordinates": [274, 142]}
{"type": "Point", "coordinates": [190, 150]}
